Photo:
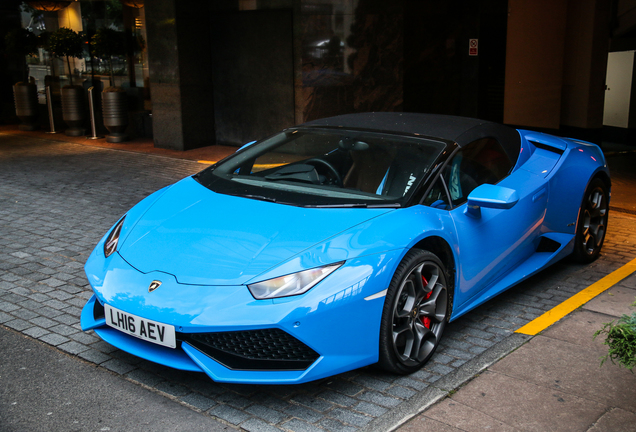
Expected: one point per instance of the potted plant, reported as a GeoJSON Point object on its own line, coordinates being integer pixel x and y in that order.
{"type": "Point", "coordinates": [22, 42]}
{"type": "Point", "coordinates": [105, 44]}
{"type": "Point", "coordinates": [65, 42]}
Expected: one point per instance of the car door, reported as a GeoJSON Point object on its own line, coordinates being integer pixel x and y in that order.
{"type": "Point", "coordinates": [491, 245]}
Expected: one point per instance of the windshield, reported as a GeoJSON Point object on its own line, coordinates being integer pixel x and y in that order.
{"type": "Point", "coordinates": [326, 167]}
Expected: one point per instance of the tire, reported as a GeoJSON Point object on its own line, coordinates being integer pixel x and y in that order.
{"type": "Point", "coordinates": [592, 223]}
{"type": "Point", "coordinates": [416, 309]}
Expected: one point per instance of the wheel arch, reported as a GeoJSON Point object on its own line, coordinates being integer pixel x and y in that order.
{"type": "Point", "coordinates": [444, 252]}
{"type": "Point", "coordinates": [602, 175]}
{"type": "Point", "coordinates": [605, 178]}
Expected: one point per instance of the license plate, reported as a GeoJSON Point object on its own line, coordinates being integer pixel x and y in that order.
{"type": "Point", "coordinates": [148, 330]}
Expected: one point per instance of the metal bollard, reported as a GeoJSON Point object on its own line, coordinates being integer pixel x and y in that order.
{"type": "Point", "coordinates": [92, 115]}
{"type": "Point", "coordinates": [49, 104]}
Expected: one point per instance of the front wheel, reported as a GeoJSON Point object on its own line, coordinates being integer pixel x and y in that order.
{"type": "Point", "coordinates": [592, 223]}
{"type": "Point", "coordinates": [416, 309]}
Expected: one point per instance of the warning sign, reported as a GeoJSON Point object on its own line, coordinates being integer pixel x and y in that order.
{"type": "Point", "coordinates": [473, 47]}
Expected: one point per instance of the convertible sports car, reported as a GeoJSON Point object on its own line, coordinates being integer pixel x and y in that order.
{"type": "Point", "coordinates": [340, 243]}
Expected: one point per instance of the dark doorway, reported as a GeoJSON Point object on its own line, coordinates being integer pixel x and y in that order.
{"type": "Point", "coordinates": [252, 72]}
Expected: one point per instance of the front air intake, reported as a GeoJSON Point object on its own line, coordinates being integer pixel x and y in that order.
{"type": "Point", "coordinates": [266, 349]}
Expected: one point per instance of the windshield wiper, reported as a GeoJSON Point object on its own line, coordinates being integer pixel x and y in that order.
{"type": "Point", "coordinates": [357, 205]}
{"type": "Point", "coordinates": [347, 205]}
{"type": "Point", "coordinates": [268, 199]}
{"type": "Point", "coordinates": [387, 205]}
{"type": "Point", "coordinates": [260, 198]}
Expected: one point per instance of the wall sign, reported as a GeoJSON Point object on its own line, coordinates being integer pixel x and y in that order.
{"type": "Point", "coordinates": [473, 46]}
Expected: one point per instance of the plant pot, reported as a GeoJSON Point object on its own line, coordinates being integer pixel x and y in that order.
{"type": "Point", "coordinates": [115, 113]}
{"type": "Point", "coordinates": [26, 105]}
{"type": "Point", "coordinates": [73, 111]}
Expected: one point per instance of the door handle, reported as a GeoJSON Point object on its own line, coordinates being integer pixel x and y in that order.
{"type": "Point", "coordinates": [539, 195]}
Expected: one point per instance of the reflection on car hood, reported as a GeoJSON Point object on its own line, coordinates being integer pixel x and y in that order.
{"type": "Point", "coordinates": [206, 238]}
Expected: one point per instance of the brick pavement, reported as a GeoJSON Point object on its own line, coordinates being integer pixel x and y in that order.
{"type": "Point", "coordinates": [56, 201]}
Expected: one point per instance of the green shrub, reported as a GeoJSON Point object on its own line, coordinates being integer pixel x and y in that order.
{"type": "Point", "coordinates": [621, 340]}
{"type": "Point", "coordinates": [107, 43]}
{"type": "Point", "coordinates": [65, 42]}
{"type": "Point", "coordinates": [21, 42]}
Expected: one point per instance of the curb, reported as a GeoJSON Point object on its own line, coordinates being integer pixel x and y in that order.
{"type": "Point", "coordinates": [438, 391]}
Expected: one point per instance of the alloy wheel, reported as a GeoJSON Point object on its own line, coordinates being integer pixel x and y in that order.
{"type": "Point", "coordinates": [419, 313]}
{"type": "Point", "coordinates": [594, 220]}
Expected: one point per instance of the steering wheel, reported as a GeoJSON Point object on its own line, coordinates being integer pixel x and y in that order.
{"type": "Point", "coordinates": [335, 176]}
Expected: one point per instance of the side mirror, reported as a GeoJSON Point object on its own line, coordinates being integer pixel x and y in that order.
{"type": "Point", "coordinates": [490, 196]}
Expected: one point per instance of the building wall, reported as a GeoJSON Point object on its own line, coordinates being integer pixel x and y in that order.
{"type": "Point", "coordinates": [351, 57]}
{"type": "Point", "coordinates": [534, 62]}
{"type": "Point", "coordinates": [347, 56]}
{"type": "Point", "coordinates": [556, 60]}
{"type": "Point", "coordinates": [585, 63]}
{"type": "Point", "coordinates": [252, 74]}
{"type": "Point", "coordinates": [179, 56]}
{"type": "Point", "coordinates": [539, 64]}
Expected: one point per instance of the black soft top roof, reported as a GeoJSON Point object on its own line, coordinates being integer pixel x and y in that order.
{"type": "Point", "coordinates": [462, 130]}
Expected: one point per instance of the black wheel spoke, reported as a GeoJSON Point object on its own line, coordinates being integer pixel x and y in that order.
{"type": "Point", "coordinates": [421, 344]}
{"type": "Point", "coordinates": [429, 307]}
{"type": "Point", "coordinates": [418, 284]}
{"type": "Point", "coordinates": [594, 234]}
{"type": "Point", "coordinates": [406, 299]}
{"type": "Point", "coordinates": [435, 307]}
{"type": "Point", "coordinates": [425, 278]}
{"type": "Point", "coordinates": [405, 330]}
{"type": "Point", "coordinates": [426, 340]}
{"type": "Point", "coordinates": [432, 282]}
{"type": "Point", "coordinates": [403, 338]}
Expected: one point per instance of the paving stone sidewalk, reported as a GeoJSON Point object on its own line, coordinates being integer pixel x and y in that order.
{"type": "Point", "coordinates": [57, 200]}
{"type": "Point", "coordinates": [553, 382]}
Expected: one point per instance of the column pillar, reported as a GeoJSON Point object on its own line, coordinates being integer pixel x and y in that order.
{"type": "Point", "coordinates": [179, 57]}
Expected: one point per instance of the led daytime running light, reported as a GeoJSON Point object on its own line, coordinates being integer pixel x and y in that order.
{"type": "Point", "coordinates": [110, 245]}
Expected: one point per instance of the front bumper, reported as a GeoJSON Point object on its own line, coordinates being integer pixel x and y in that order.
{"type": "Point", "coordinates": [333, 321]}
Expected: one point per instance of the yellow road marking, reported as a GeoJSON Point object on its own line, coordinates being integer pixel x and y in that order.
{"type": "Point", "coordinates": [556, 313]}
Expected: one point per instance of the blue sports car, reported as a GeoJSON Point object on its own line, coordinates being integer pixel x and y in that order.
{"type": "Point", "coordinates": [340, 243]}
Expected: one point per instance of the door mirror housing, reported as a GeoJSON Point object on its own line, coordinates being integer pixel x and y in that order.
{"type": "Point", "coordinates": [490, 196]}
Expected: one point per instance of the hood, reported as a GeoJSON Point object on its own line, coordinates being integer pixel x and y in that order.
{"type": "Point", "coordinates": [205, 238]}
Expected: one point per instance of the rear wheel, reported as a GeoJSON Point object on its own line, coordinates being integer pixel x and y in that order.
{"type": "Point", "coordinates": [592, 224]}
{"type": "Point", "coordinates": [416, 309]}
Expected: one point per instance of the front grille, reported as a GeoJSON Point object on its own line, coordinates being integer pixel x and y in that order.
{"type": "Point", "coordinates": [266, 349]}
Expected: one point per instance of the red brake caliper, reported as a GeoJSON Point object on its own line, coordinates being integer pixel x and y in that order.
{"type": "Point", "coordinates": [426, 320]}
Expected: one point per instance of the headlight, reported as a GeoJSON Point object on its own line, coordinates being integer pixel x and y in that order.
{"type": "Point", "coordinates": [293, 284]}
{"type": "Point", "coordinates": [110, 245]}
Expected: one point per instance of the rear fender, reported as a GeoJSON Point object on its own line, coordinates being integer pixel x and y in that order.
{"type": "Point", "coordinates": [580, 163]}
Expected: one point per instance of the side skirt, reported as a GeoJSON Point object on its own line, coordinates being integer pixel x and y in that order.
{"type": "Point", "coordinates": [534, 264]}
